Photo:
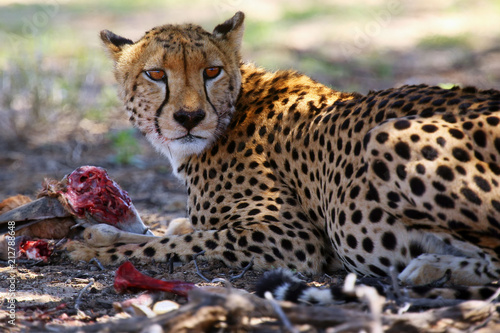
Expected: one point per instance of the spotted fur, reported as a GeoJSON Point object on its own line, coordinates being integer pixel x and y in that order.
{"type": "Point", "coordinates": [285, 170]}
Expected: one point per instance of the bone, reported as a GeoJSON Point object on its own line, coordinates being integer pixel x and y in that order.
{"type": "Point", "coordinates": [101, 235]}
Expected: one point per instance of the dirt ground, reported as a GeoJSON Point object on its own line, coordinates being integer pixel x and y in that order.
{"type": "Point", "coordinates": [48, 293]}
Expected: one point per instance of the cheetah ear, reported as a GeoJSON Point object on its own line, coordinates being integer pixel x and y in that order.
{"type": "Point", "coordinates": [231, 30]}
{"type": "Point", "coordinates": [114, 43]}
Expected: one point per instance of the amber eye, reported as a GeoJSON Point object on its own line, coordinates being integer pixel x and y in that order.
{"type": "Point", "coordinates": [211, 72]}
{"type": "Point", "coordinates": [156, 74]}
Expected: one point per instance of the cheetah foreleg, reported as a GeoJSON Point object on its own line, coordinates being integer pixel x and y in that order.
{"type": "Point", "coordinates": [234, 246]}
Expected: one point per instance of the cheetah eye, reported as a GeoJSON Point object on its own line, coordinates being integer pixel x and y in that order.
{"type": "Point", "coordinates": [211, 72]}
{"type": "Point", "coordinates": [155, 74]}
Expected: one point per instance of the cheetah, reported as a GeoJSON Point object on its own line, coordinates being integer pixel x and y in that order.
{"type": "Point", "coordinates": [294, 174]}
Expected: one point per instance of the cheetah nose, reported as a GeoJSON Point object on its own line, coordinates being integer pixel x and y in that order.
{"type": "Point", "coordinates": [189, 119]}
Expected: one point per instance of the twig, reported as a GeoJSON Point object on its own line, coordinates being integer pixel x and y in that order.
{"type": "Point", "coordinates": [170, 265]}
{"type": "Point", "coordinates": [80, 294]}
{"type": "Point", "coordinates": [226, 283]}
{"type": "Point", "coordinates": [401, 301]}
{"type": "Point", "coordinates": [370, 296]}
{"type": "Point", "coordinates": [494, 296]}
{"type": "Point", "coordinates": [350, 327]}
{"type": "Point", "coordinates": [281, 315]}
{"type": "Point", "coordinates": [350, 284]}
{"type": "Point", "coordinates": [97, 262]}
{"type": "Point", "coordinates": [30, 263]}
{"type": "Point", "coordinates": [60, 243]}
{"type": "Point", "coordinates": [395, 284]}
{"type": "Point", "coordinates": [404, 308]}
{"type": "Point", "coordinates": [432, 302]}
{"type": "Point", "coordinates": [375, 303]}
{"type": "Point", "coordinates": [245, 269]}
{"type": "Point", "coordinates": [232, 278]}
{"type": "Point", "coordinates": [200, 274]}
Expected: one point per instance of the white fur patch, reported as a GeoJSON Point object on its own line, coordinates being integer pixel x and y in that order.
{"type": "Point", "coordinates": [280, 292]}
{"type": "Point", "coordinates": [177, 151]}
{"type": "Point", "coordinates": [316, 296]}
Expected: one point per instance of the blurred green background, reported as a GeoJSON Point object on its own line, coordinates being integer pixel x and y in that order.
{"type": "Point", "coordinates": [58, 104]}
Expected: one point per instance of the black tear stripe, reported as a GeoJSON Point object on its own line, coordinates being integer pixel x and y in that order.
{"type": "Point", "coordinates": [160, 109]}
{"type": "Point", "coordinates": [208, 98]}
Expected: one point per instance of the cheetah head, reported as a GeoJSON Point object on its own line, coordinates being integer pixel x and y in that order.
{"type": "Point", "coordinates": [179, 83]}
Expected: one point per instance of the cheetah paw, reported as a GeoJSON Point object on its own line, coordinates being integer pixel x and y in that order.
{"type": "Point", "coordinates": [429, 268]}
{"type": "Point", "coordinates": [79, 251]}
{"type": "Point", "coordinates": [179, 226]}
